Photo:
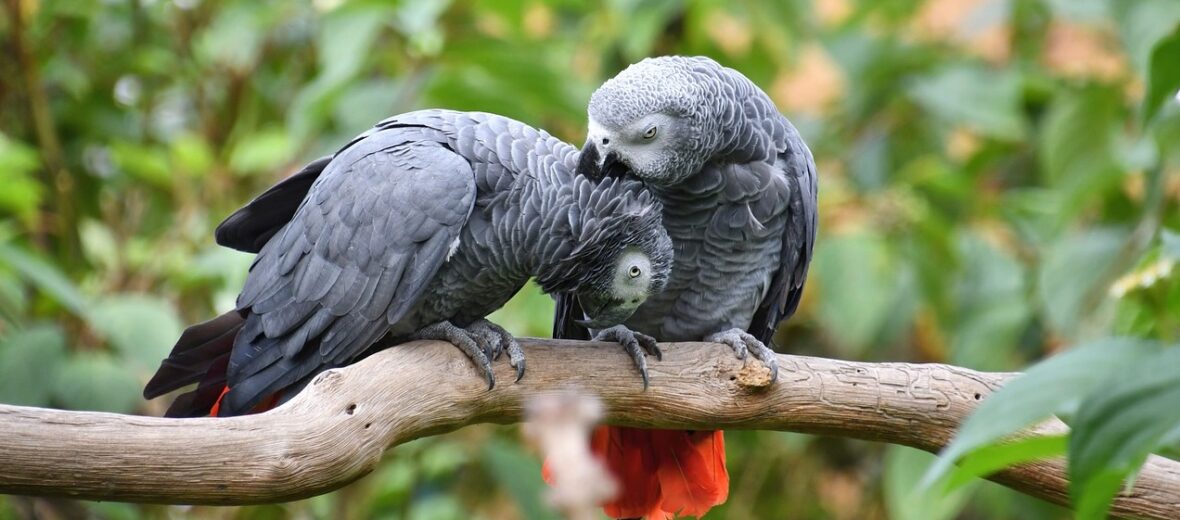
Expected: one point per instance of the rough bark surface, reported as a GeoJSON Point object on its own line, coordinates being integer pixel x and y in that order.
{"type": "Point", "coordinates": [337, 429]}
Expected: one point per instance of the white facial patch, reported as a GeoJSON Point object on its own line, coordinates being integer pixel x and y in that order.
{"type": "Point", "coordinates": [632, 279]}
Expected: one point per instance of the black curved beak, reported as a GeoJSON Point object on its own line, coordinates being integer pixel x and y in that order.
{"type": "Point", "coordinates": [590, 163]}
{"type": "Point", "coordinates": [604, 312]}
{"type": "Point", "coordinates": [594, 165]}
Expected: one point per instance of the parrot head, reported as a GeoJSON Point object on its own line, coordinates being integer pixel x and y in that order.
{"type": "Point", "coordinates": [613, 296]}
{"type": "Point", "coordinates": [618, 253]}
{"type": "Point", "coordinates": [664, 118]}
{"type": "Point", "coordinates": [653, 120]}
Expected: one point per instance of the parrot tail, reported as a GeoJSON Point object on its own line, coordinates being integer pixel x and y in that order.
{"type": "Point", "coordinates": [201, 356]}
{"type": "Point", "coordinates": [663, 473]}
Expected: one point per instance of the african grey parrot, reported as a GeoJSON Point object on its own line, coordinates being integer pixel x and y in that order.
{"type": "Point", "coordinates": [417, 229]}
{"type": "Point", "coordinates": [739, 192]}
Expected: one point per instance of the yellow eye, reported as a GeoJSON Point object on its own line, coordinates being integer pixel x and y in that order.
{"type": "Point", "coordinates": [649, 133]}
{"type": "Point", "coordinates": [634, 272]}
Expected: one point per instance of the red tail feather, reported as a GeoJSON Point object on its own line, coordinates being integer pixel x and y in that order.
{"type": "Point", "coordinates": [692, 471]}
{"type": "Point", "coordinates": [630, 458]}
{"type": "Point", "coordinates": [217, 405]}
{"type": "Point", "coordinates": [265, 405]}
{"type": "Point", "coordinates": [662, 473]}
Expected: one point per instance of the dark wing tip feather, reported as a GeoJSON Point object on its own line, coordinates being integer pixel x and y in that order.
{"type": "Point", "coordinates": [195, 352]}
{"type": "Point", "coordinates": [249, 228]}
{"type": "Point", "coordinates": [565, 311]}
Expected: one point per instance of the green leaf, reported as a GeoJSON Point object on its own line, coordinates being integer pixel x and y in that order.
{"type": "Point", "coordinates": [99, 244]}
{"type": "Point", "coordinates": [437, 507]}
{"type": "Point", "coordinates": [1069, 300]}
{"type": "Point", "coordinates": [346, 38]}
{"type": "Point", "coordinates": [1116, 428]}
{"type": "Point", "coordinates": [906, 498]}
{"type": "Point", "coordinates": [22, 193]}
{"type": "Point", "coordinates": [1142, 25]}
{"type": "Point", "coordinates": [520, 473]}
{"type": "Point", "coordinates": [992, 458]}
{"type": "Point", "coordinates": [991, 301]}
{"type": "Point", "coordinates": [1163, 81]}
{"type": "Point", "coordinates": [1170, 243]}
{"type": "Point", "coordinates": [28, 359]}
{"type": "Point", "coordinates": [141, 328]}
{"type": "Point", "coordinates": [856, 277]}
{"type": "Point", "coordinates": [234, 38]}
{"type": "Point", "coordinates": [1053, 386]}
{"type": "Point", "coordinates": [143, 162]}
{"type": "Point", "coordinates": [266, 150]}
{"type": "Point", "coordinates": [984, 100]}
{"type": "Point", "coordinates": [45, 276]}
{"type": "Point", "coordinates": [96, 381]}
{"type": "Point", "coordinates": [1078, 146]}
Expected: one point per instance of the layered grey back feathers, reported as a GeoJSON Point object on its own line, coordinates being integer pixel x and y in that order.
{"type": "Point", "coordinates": [739, 197]}
{"type": "Point", "coordinates": [433, 215]}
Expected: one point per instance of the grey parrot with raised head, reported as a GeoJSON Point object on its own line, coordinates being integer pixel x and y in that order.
{"type": "Point", "coordinates": [417, 229]}
{"type": "Point", "coordinates": [738, 186]}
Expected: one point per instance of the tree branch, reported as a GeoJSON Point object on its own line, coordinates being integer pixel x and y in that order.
{"type": "Point", "coordinates": [337, 429]}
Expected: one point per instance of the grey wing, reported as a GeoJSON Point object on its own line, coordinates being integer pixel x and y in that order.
{"type": "Point", "coordinates": [371, 234]}
{"type": "Point", "coordinates": [786, 287]}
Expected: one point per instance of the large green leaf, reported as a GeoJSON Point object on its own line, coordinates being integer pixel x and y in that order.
{"type": "Point", "coordinates": [856, 278]}
{"type": "Point", "coordinates": [520, 473]}
{"type": "Point", "coordinates": [1078, 145]}
{"type": "Point", "coordinates": [1117, 427]}
{"type": "Point", "coordinates": [45, 276]}
{"type": "Point", "coordinates": [142, 328]}
{"type": "Point", "coordinates": [22, 194]}
{"type": "Point", "coordinates": [1053, 386]}
{"type": "Point", "coordinates": [904, 495]}
{"type": "Point", "coordinates": [1068, 300]}
{"type": "Point", "coordinates": [96, 381]}
{"type": "Point", "coordinates": [1163, 81]}
{"type": "Point", "coordinates": [28, 360]}
{"type": "Point", "coordinates": [994, 457]}
{"type": "Point", "coordinates": [984, 100]}
{"type": "Point", "coordinates": [1142, 24]}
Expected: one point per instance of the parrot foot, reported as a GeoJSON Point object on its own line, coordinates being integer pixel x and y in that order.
{"type": "Point", "coordinates": [495, 341]}
{"type": "Point", "coordinates": [635, 343]}
{"type": "Point", "coordinates": [744, 343]}
{"type": "Point", "coordinates": [472, 343]}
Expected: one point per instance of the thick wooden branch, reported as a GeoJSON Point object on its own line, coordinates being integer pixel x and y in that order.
{"type": "Point", "coordinates": [336, 430]}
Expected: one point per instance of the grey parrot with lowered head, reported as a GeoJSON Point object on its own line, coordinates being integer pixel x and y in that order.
{"type": "Point", "coordinates": [738, 186]}
{"type": "Point", "coordinates": [417, 229]}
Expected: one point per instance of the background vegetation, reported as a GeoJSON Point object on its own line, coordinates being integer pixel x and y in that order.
{"type": "Point", "coordinates": [998, 183]}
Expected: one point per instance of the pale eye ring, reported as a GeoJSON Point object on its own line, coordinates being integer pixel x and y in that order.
{"type": "Point", "coordinates": [649, 133]}
{"type": "Point", "coordinates": [634, 271]}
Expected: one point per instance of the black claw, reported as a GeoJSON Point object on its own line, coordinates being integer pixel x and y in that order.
{"type": "Point", "coordinates": [491, 379]}
{"type": "Point", "coordinates": [519, 371]}
{"type": "Point", "coordinates": [643, 372]}
{"type": "Point", "coordinates": [655, 351]}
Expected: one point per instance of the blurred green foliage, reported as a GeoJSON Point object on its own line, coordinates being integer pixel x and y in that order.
{"type": "Point", "coordinates": [998, 182]}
